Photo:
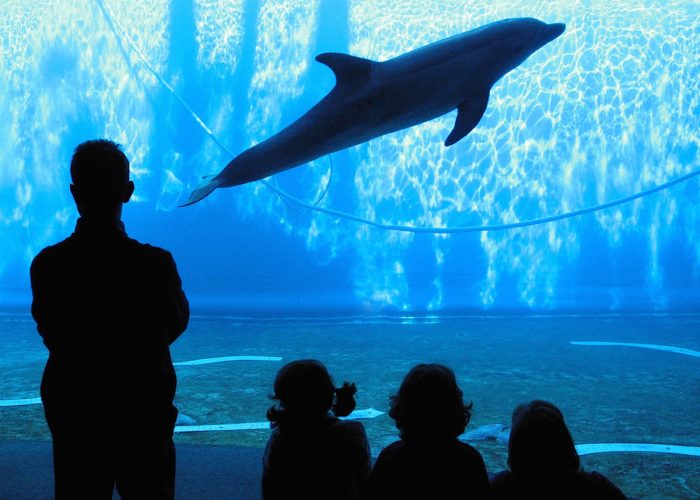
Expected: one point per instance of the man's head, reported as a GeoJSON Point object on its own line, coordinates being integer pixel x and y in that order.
{"type": "Point", "coordinates": [99, 171]}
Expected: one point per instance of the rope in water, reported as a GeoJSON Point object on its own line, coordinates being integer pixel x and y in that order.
{"type": "Point", "coordinates": [115, 26]}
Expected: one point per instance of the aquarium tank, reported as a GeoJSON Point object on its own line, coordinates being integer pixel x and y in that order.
{"type": "Point", "coordinates": [552, 253]}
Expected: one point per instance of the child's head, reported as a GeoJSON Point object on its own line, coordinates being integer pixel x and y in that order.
{"type": "Point", "coordinates": [305, 391]}
{"type": "Point", "coordinates": [540, 441]}
{"type": "Point", "coordinates": [429, 405]}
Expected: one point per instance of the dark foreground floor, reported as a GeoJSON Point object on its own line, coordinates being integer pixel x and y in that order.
{"type": "Point", "coordinates": [209, 472]}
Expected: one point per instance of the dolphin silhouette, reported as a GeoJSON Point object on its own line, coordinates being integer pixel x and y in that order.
{"type": "Point", "coordinates": [373, 98]}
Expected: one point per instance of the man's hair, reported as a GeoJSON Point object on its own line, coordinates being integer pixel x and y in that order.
{"type": "Point", "coordinates": [101, 170]}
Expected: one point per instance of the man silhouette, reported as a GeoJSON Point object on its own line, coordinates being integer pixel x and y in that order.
{"type": "Point", "coordinates": [108, 307]}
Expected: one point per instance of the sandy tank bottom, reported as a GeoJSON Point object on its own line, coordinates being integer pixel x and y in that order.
{"type": "Point", "coordinates": [636, 381]}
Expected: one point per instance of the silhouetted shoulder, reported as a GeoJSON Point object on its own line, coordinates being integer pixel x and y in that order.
{"type": "Point", "coordinates": [602, 486]}
{"type": "Point", "coordinates": [76, 244]}
{"type": "Point", "coordinates": [48, 255]}
{"type": "Point", "coordinates": [79, 255]}
{"type": "Point", "coordinates": [579, 485]}
{"type": "Point", "coordinates": [453, 470]}
{"type": "Point", "coordinates": [157, 255]}
{"type": "Point", "coordinates": [455, 449]}
{"type": "Point", "coordinates": [148, 249]}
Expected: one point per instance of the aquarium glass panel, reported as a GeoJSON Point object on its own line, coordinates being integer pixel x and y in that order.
{"type": "Point", "coordinates": [551, 253]}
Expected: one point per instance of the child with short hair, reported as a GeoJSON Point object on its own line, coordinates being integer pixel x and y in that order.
{"type": "Point", "coordinates": [429, 461]}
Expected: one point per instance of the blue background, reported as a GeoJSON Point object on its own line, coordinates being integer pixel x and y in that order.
{"type": "Point", "coordinates": [607, 110]}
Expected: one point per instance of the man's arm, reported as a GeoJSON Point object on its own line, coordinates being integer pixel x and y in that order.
{"type": "Point", "coordinates": [179, 307]}
{"type": "Point", "coordinates": [41, 304]}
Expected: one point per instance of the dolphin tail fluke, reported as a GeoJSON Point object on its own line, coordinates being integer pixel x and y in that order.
{"type": "Point", "coordinates": [202, 191]}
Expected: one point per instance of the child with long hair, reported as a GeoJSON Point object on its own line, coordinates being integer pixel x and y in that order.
{"type": "Point", "coordinates": [543, 461]}
{"type": "Point", "coordinates": [312, 454]}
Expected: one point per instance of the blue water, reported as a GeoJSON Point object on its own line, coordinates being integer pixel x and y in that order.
{"type": "Point", "coordinates": [608, 110]}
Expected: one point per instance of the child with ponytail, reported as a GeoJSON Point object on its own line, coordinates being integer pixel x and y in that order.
{"type": "Point", "coordinates": [312, 454]}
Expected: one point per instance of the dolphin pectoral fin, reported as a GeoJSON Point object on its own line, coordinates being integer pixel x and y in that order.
{"type": "Point", "coordinates": [346, 68]}
{"type": "Point", "coordinates": [468, 115]}
{"type": "Point", "coordinates": [202, 192]}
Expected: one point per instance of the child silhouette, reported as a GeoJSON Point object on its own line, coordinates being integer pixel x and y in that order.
{"type": "Point", "coordinates": [311, 453]}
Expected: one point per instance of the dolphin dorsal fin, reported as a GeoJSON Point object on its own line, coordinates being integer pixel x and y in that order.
{"type": "Point", "coordinates": [468, 115]}
{"type": "Point", "coordinates": [346, 67]}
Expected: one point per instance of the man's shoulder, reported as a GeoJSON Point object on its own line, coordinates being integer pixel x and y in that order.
{"type": "Point", "coordinates": [145, 255]}
{"type": "Point", "coordinates": [70, 248]}
{"type": "Point", "coordinates": [148, 249]}
{"type": "Point", "coordinates": [52, 252]}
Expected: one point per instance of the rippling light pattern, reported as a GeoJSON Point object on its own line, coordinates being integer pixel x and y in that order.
{"type": "Point", "coordinates": [219, 33]}
{"type": "Point", "coordinates": [286, 39]}
{"type": "Point", "coordinates": [610, 108]}
{"type": "Point", "coordinates": [62, 68]}
{"type": "Point", "coordinates": [282, 53]}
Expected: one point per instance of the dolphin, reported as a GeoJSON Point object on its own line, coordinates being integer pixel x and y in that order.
{"type": "Point", "coordinates": [372, 98]}
{"type": "Point", "coordinates": [490, 432]}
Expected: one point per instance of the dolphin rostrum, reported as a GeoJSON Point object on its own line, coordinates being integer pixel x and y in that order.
{"type": "Point", "coordinates": [373, 98]}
